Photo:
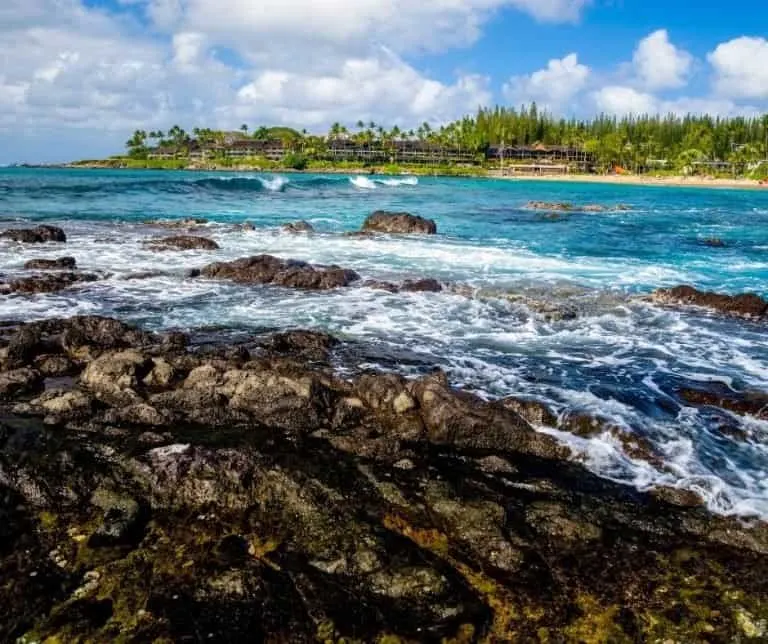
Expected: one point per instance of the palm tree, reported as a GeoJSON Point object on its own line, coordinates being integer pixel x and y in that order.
{"type": "Point", "coordinates": [244, 128]}
{"type": "Point", "coordinates": [360, 125]}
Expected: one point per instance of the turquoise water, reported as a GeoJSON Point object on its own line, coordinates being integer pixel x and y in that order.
{"type": "Point", "coordinates": [620, 357]}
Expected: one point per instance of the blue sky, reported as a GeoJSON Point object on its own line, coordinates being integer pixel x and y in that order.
{"type": "Point", "coordinates": [77, 76]}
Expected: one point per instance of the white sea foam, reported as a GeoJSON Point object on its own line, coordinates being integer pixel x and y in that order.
{"type": "Point", "coordinates": [364, 183]}
{"type": "Point", "coordinates": [274, 184]}
{"type": "Point", "coordinates": [405, 181]}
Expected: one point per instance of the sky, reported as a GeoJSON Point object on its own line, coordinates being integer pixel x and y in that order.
{"type": "Point", "coordinates": [78, 76]}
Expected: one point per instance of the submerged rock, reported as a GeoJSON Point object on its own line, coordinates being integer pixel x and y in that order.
{"type": "Point", "coordinates": [298, 227]}
{"type": "Point", "coordinates": [398, 222]}
{"type": "Point", "coordinates": [266, 269]}
{"type": "Point", "coordinates": [189, 223]}
{"type": "Point", "coordinates": [37, 235]}
{"type": "Point", "coordinates": [51, 264]}
{"type": "Point", "coordinates": [182, 242]}
{"type": "Point", "coordinates": [742, 403]}
{"type": "Point", "coordinates": [48, 283]}
{"type": "Point", "coordinates": [553, 206]}
{"type": "Point", "coordinates": [271, 500]}
{"type": "Point", "coordinates": [747, 305]}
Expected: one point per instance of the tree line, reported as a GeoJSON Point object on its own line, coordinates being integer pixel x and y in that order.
{"type": "Point", "coordinates": [638, 142]}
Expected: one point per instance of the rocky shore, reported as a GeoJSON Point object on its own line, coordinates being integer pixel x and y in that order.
{"type": "Point", "coordinates": [157, 490]}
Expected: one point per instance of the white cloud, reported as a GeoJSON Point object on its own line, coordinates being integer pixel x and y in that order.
{"type": "Point", "coordinates": [659, 64]}
{"type": "Point", "coordinates": [552, 87]}
{"type": "Point", "coordinates": [741, 68]}
{"type": "Point", "coordinates": [380, 86]}
{"type": "Point", "coordinates": [620, 100]}
{"type": "Point", "coordinates": [403, 25]}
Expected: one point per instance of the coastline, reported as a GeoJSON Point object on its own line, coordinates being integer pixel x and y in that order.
{"type": "Point", "coordinates": [677, 181]}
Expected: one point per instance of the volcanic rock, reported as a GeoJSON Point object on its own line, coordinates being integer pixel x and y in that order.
{"type": "Point", "coordinates": [398, 222]}
{"type": "Point", "coordinates": [51, 264]}
{"type": "Point", "coordinates": [266, 269]}
{"type": "Point", "coordinates": [47, 283]}
{"type": "Point", "coordinates": [37, 235]}
{"type": "Point", "coordinates": [182, 242]}
{"type": "Point", "coordinates": [298, 227]}
{"type": "Point", "coordinates": [747, 305]}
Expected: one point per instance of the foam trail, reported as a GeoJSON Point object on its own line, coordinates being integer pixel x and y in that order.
{"type": "Point", "coordinates": [405, 181]}
{"type": "Point", "coordinates": [364, 183]}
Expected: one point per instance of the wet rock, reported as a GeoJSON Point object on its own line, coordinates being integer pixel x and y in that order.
{"type": "Point", "coordinates": [634, 445]}
{"type": "Point", "coordinates": [287, 504]}
{"type": "Point", "coordinates": [399, 223]}
{"type": "Point", "coordinates": [18, 382]}
{"type": "Point", "coordinates": [677, 496]}
{"type": "Point", "coordinates": [56, 366]}
{"type": "Point", "coordinates": [49, 283]}
{"type": "Point", "coordinates": [466, 421]}
{"type": "Point", "coordinates": [556, 522]}
{"type": "Point", "coordinates": [713, 242]}
{"type": "Point", "coordinates": [189, 223]}
{"type": "Point", "coordinates": [422, 286]}
{"type": "Point", "coordinates": [307, 345]}
{"type": "Point", "coordinates": [553, 206]}
{"type": "Point", "coordinates": [380, 285]}
{"type": "Point", "coordinates": [266, 269]}
{"type": "Point", "coordinates": [535, 412]}
{"type": "Point", "coordinates": [741, 403]}
{"type": "Point", "coordinates": [51, 264]}
{"type": "Point", "coordinates": [38, 235]}
{"type": "Point", "coordinates": [182, 242]}
{"type": "Point", "coordinates": [298, 227]}
{"type": "Point", "coordinates": [121, 520]}
{"type": "Point", "coordinates": [65, 404]}
{"type": "Point", "coordinates": [747, 305]}
{"type": "Point", "coordinates": [115, 376]}
{"type": "Point", "coordinates": [161, 375]}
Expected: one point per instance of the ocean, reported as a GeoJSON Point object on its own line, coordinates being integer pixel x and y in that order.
{"type": "Point", "coordinates": [537, 306]}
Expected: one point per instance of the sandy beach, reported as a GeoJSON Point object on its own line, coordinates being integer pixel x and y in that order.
{"type": "Point", "coordinates": [641, 180]}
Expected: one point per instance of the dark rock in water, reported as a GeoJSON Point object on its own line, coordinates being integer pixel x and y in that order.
{"type": "Point", "coordinates": [298, 227]}
{"type": "Point", "coordinates": [552, 206]}
{"type": "Point", "coordinates": [245, 227]}
{"type": "Point", "coordinates": [421, 286]}
{"type": "Point", "coordinates": [398, 222]}
{"type": "Point", "coordinates": [178, 495]}
{"type": "Point", "coordinates": [380, 285]}
{"type": "Point", "coordinates": [51, 264]}
{"type": "Point", "coordinates": [182, 242]}
{"type": "Point", "coordinates": [747, 305]}
{"type": "Point", "coordinates": [188, 223]}
{"type": "Point", "coordinates": [741, 403]}
{"type": "Point", "coordinates": [713, 242]}
{"type": "Point", "coordinates": [408, 286]}
{"type": "Point", "coordinates": [266, 269]}
{"type": "Point", "coordinates": [49, 283]}
{"type": "Point", "coordinates": [37, 235]}
{"type": "Point", "coordinates": [308, 345]}
{"type": "Point", "coordinates": [634, 445]}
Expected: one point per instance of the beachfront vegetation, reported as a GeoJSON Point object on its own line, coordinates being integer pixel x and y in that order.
{"type": "Point", "coordinates": [658, 144]}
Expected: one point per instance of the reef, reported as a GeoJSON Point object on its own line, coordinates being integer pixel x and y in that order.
{"type": "Point", "coordinates": [157, 490]}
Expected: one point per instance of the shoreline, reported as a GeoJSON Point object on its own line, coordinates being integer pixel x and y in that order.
{"type": "Point", "coordinates": [636, 180]}
{"type": "Point", "coordinates": [678, 181]}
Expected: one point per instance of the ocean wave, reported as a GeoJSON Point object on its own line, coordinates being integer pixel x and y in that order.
{"type": "Point", "coordinates": [364, 183]}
